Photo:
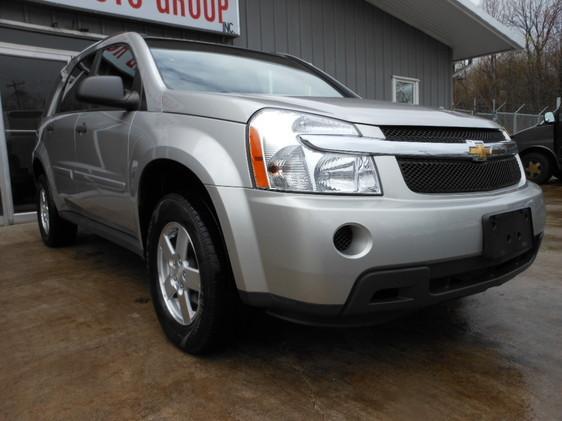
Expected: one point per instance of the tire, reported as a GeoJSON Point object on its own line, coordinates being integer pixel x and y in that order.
{"type": "Point", "coordinates": [55, 231]}
{"type": "Point", "coordinates": [184, 246]}
{"type": "Point", "coordinates": [538, 167]}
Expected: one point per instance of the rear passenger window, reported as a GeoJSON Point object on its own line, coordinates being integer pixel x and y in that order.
{"type": "Point", "coordinates": [69, 102]}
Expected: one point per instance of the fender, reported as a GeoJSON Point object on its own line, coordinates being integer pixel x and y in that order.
{"type": "Point", "coordinates": [212, 149]}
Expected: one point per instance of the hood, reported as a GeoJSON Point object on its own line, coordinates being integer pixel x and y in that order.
{"type": "Point", "coordinates": [240, 108]}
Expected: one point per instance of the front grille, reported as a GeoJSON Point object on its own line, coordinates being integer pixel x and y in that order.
{"type": "Point", "coordinates": [441, 134]}
{"type": "Point", "coordinates": [459, 176]}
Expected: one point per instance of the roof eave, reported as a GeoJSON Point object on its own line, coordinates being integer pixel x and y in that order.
{"type": "Point", "coordinates": [513, 38]}
{"type": "Point", "coordinates": [435, 17]}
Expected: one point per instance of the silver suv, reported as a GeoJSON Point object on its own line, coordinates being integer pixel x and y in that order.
{"type": "Point", "coordinates": [251, 178]}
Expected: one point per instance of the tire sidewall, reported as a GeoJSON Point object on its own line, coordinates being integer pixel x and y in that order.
{"type": "Point", "coordinates": [174, 208]}
{"type": "Point", "coordinates": [43, 185]}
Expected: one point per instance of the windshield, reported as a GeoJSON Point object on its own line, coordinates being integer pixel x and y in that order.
{"type": "Point", "coordinates": [210, 68]}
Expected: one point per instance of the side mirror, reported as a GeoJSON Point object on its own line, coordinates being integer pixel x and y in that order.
{"type": "Point", "coordinates": [109, 91]}
{"type": "Point", "coordinates": [549, 118]}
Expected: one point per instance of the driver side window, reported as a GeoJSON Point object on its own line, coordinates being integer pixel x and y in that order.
{"type": "Point", "coordinates": [118, 60]}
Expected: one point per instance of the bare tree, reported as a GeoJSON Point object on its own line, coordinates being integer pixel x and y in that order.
{"type": "Point", "coordinates": [532, 76]}
{"type": "Point", "coordinates": [539, 21]}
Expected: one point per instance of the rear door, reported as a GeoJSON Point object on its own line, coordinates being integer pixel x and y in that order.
{"type": "Point", "coordinates": [102, 148]}
{"type": "Point", "coordinates": [59, 132]}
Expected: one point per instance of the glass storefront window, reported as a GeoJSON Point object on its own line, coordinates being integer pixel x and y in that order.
{"type": "Point", "coordinates": [26, 84]}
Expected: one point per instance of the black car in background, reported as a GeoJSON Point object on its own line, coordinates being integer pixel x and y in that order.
{"type": "Point", "coordinates": [540, 148]}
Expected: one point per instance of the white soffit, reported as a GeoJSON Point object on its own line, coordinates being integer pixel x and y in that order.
{"type": "Point", "coordinates": [460, 24]}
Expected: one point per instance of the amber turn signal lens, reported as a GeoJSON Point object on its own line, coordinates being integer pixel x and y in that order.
{"type": "Point", "coordinates": [258, 160]}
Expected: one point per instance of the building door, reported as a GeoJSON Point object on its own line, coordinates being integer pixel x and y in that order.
{"type": "Point", "coordinates": [28, 77]}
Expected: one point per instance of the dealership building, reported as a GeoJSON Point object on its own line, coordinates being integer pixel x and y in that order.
{"type": "Point", "coordinates": [394, 50]}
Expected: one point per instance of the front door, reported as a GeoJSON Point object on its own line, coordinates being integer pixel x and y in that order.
{"type": "Point", "coordinates": [27, 81]}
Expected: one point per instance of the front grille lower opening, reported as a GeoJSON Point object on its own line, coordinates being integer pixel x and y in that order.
{"type": "Point", "coordinates": [389, 294]}
{"type": "Point", "coordinates": [456, 282]}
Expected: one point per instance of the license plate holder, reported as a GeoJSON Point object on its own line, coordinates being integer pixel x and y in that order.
{"type": "Point", "coordinates": [507, 235]}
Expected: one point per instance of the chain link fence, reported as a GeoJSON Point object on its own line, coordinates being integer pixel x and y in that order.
{"type": "Point", "coordinates": [513, 122]}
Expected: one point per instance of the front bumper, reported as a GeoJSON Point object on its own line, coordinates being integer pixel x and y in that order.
{"type": "Point", "coordinates": [282, 252]}
{"type": "Point", "coordinates": [382, 295]}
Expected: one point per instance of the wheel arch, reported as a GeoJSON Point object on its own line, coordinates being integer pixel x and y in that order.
{"type": "Point", "coordinates": [38, 169]}
{"type": "Point", "coordinates": [163, 176]}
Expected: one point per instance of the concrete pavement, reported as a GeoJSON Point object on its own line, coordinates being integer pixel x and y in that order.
{"type": "Point", "coordinates": [79, 340]}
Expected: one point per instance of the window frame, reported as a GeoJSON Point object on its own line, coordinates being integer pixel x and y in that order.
{"type": "Point", "coordinates": [65, 82]}
{"type": "Point", "coordinates": [137, 82]}
{"type": "Point", "coordinates": [94, 70]}
{"type": "Point", "coordinates": [405, 79]}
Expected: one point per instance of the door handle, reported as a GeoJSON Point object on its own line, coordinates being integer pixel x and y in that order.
{"type": "Point", "coordinates": [82, 129]}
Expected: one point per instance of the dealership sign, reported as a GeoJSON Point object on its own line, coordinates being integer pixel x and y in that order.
{"type": "Point", "coordinates": [207, 15]}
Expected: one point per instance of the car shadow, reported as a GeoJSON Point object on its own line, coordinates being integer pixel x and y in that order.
{"type": "Point", "coordinates": [262, 332]}
{"type": "Point", "coordinates": [454, 350]}
{"type": "Point", "coordinates": [257, 331]}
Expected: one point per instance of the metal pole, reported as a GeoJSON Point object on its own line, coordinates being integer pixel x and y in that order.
{"type": "Point", "coordinates": [496, 119]}
{"type": "Point", "coordinates": [5, 182]}
{"type": "Point", "coordinates": [515, 118]}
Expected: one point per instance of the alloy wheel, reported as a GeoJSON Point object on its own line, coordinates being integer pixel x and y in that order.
{"type": "Point", "coordinates": [44, 210]}
{"type": "Point", "coordinates": [533, 169]}
{"type": "Point", "coordinates": [178, 273]}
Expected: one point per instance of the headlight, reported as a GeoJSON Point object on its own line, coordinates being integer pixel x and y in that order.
{"type": "Point", "coordinates": [281, 162]}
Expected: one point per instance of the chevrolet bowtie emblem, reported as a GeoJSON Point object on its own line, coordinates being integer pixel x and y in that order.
{"type": "Point", "coordinates": [479, 151]}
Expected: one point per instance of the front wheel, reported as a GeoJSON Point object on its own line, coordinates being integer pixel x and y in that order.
{"type": "Point", "coordinates": [191, 285]}
{"type": "Point", "coordinates": [537, 167]}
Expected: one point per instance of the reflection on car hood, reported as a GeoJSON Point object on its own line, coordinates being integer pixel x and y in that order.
{"type": "Point", "coordinates": [240, 108]}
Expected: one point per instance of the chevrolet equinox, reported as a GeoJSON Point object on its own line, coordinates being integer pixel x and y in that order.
{"type": "Point", "coordinates": [251, 178]}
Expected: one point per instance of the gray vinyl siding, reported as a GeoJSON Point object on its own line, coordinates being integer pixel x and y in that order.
{"type": "Point", "coordinates": [352, 40]}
